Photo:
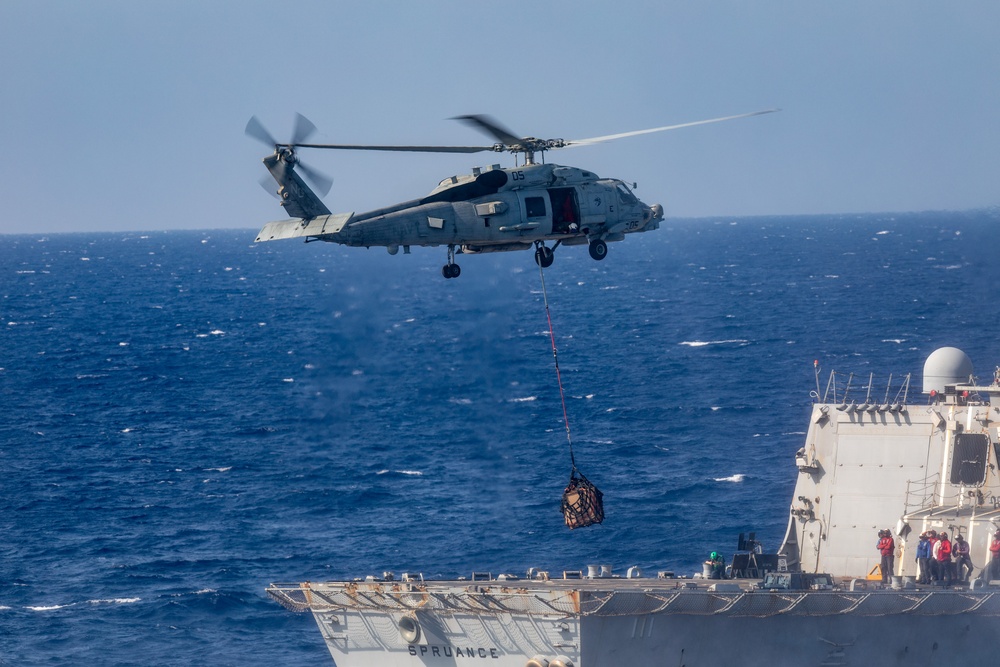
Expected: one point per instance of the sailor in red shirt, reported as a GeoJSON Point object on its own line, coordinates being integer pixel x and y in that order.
{"type": "Point", "coordinates": [887, 547]}
{"type": "Point", "coordinates": [942, 552]}
{"type": "Point", "coordinates": [993, 568]}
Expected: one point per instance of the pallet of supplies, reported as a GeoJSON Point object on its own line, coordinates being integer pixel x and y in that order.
{"type": "Point", "coordinates": [582, 502]}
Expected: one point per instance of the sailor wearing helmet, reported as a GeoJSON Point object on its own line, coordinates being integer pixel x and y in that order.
{"type": "Point", "coordinates": [887, 548]}
{"type": "Point", "coordinates": [718, 565]}
{"type": "Point", "coordinates": [993, 567]}
{"type": "Point", "coordinates": [924, 559]}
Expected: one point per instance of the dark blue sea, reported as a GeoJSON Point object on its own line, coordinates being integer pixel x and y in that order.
{"type": "Point", "coordinates": [188, 416]}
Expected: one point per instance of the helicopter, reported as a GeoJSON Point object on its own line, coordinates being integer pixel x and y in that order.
{"type": "Point", "coordinates": [493, 209]}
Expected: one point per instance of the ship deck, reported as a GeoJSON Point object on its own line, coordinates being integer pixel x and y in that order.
{"type": "Point", "coordinates": [631, 596]}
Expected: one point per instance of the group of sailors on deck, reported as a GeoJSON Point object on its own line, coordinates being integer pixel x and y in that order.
{"type": "Point", "coordinates": [939, 560]}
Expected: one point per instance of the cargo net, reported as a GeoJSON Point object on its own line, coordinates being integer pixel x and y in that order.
{"type": "Point", "coordinates": [582, 502]}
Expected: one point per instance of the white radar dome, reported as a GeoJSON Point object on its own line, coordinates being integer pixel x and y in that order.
{"type": "Point", "coordinates": [946, 365]}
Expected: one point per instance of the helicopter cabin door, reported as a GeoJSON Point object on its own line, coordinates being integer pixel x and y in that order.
{"type": "Point", "coordinates": [565, 210]}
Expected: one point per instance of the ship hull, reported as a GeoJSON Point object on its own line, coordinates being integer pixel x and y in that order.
{"type": "Point", "coordinates": [644, 622]}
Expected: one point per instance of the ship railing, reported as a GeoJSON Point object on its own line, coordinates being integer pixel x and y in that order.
{"type": "Point", "coordinates": [841, 389]}
{"type": "Point", "coordinates": [576, 603]}
{"type": "Point", "coordinates": [921, 494]}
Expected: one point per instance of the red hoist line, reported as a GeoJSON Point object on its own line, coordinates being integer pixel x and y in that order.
{"type": "Point", "coordinates": [582, 502]}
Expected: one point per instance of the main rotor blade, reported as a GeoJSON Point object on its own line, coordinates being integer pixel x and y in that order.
{"type": "Point", "coordinates": [609, 137]}
{"type": "Point", "coordinates": [256, 130]}
{"type": "Point", "coordinates": [490, 126]}
{"type": "Point", "coordinates": [405, 149]}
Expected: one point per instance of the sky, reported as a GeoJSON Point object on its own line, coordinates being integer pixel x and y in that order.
{"type": "Point", "coordinates": [125, 115]}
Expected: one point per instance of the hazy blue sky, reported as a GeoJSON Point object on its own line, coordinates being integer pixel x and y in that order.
{"type": "Point", "coordinates": [129, 115]}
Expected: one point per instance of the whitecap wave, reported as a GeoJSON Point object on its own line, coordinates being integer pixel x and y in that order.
{"type": "Point", "coordinates": [735, 479]}
{"type": "Point", "coordinates": [115, 601]}
{"type": "Point", "coordinates": [524, 399]}
{"type": "Point", "coordinates": [51, 607]}
{"type": "Point", "coordinates": [415, 473]}
{"type": "Point", "coordinates": [703, 343]}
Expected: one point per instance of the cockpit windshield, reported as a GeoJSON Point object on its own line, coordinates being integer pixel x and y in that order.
{"type": "Point", "coordinates": [625, 195]}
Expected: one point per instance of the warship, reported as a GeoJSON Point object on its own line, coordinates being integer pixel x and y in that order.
{"type": "Point", "coordinates": [874, 460]}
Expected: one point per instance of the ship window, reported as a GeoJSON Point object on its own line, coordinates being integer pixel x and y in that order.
{"type": "Point", "coordinates": [534, 207]}
{"type": "Point", "coordinates": [969, 459]}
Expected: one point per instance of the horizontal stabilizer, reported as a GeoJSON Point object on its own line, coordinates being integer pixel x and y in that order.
{"type": "Point", "coordinates": [323, 225]}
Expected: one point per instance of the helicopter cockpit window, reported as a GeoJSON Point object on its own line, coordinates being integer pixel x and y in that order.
{"type": "Point", "coordinates": [625, 195]}
{"type": "Point", "coordinates": [534, 207]}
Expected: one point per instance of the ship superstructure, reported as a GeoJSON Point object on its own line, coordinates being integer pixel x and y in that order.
{"type": "Point", "coordinates": [872, 459]}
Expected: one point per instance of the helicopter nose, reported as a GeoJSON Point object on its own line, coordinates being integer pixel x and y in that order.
{"type": "Point", "coordinates": [652, 213]}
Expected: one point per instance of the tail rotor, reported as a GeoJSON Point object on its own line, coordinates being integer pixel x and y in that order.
{"type": "Point", "coordinates": [285, 152]}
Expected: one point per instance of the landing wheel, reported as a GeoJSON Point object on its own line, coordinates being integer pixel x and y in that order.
{"type": "Point", "coordinates": [451, 269]}
{"type": "Point", "coordinates": [598, 249]}
{"type": "Point", "coordinates": [544, 257]}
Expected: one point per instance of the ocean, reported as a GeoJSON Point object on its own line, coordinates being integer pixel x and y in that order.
{"type": "Point", "coordinates": [189, 416]}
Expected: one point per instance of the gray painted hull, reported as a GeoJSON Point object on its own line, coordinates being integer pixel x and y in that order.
{"type": "Point", "coordinates": [595, 623]}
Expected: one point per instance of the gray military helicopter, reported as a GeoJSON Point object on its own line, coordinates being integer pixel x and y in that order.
{"type": "Point", "coordinates": [493, 209]}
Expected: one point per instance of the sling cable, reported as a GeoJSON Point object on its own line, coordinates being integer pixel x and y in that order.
{"type": "Point", "coordinates": [582, 502]}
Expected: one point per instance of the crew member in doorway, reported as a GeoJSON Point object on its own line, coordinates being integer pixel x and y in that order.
{"type": "Point", "coordinates": [718, 565]}
{"type": "Point", "coordinates": [963, 562]}
{"type": "Point", "coordinates": [887, 547]}
{"type": "Point", "coordinates": [942, 553]}
{"type": "Point", "coordinates": [924, 559]}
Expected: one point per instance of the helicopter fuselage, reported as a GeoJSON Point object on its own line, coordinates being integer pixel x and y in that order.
{"type": "Point", "coordinates": [491, 210]}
